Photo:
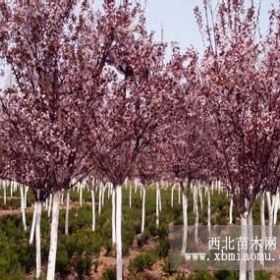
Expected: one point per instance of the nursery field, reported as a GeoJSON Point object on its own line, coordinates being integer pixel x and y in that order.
{"type": "Point", "coordinates": [84, 254]}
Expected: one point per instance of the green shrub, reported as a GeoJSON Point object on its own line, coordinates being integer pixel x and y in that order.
{"type": "Point", "coordinates": [226, 275]}
{"type": "Point", "coordinates": [143, 261]}
{"type": "Point", "coordinates": [63, 261]}
{"type": "Point", "coordinates": [83, 266]}
{"type": "Point", "coordinates": [163, 248]}
{"type": "Point", "coordinates": [262, 275]}
{"type": "Point", "coordinates": [200, 275]}
{"type": "Point", "coordinates": [109, 274]}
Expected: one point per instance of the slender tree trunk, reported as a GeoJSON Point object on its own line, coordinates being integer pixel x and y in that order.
{"type": "Point", "coordinates": [209, 211]}
{"type": "Point", "coordinates": [172, 196]}
{"type": "Point", "coordinates": [50, 205]}
{"type": "Point", "coordinates": [244, 236]}
{"type": "Point", "coordinates": [200, 197]}
{"type": "Point", "coordinates": [262, 213]}
{"type": "Point", "coordinates": [93, 209]}
{"type": "Point", "coordinates": [251, 266]}
{"type": "Point", "coordinates": [230, 210]}
{"type": "Point", "coordinates": [196, 215]}
{"type": "Point", "coordinates": [25, 195]}
{"type": "Point", "coordinates": [157, 206]}
{"type": "Point", "coordinates": [270, 214]}
{"type": "Point", "coordinates": [113, 216]}
{"type": "Point", "coordinates": [67, 213]}
{"type": "Point", "coordinates": [100, 198]}
{"type": "Point", "coordinates": [179, 194]}
{"type": "Point", "coordinates": [32, 231]}
{"type": "Point", "coordinates": [159, 199]}
{"type": "Point", "coordinates": [119, 232]}
{"type": "Point", "coordinates": [276, 207]}
{"type": "Point", "coordinates": [143, 210]}
{"type": "Point", "coordinates": [22, 208]}
{"type": "Point", "coordinates": [53, 238]}
{"type": "Point", "coordinates": [185, 220]}
{"type": "Point", "coordinates": [38, 239]}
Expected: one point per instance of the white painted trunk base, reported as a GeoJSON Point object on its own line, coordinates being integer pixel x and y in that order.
{"type": "Point", "coordinates": [53, 238]}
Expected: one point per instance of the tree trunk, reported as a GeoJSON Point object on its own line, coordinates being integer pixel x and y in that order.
{"type": "Point", "coordinates": [230, 210]}
{"type": "Point", "coordinates": [172, 196]}
{"type": "Point", "coordinates": [113, 216]}
{"type": "Point", "coordinates": [67, 213]}
{"type": "Point", "coordinates": [157, 206]}
{"type": "Point", "coordinates": [22, 208]}
{"type": "Point", "coordinates": [209, 211]}
{"type": "Point", "coordinates": [179, 195]}
{"type": "Point", "coordinates": [32, 231]}
{"type": "Point", "coordinates": [143, 209]}
{"type": "Point", "coordinates": [93, 209]}
{"type": "Point", "coordinates": [196, 215]}
{"type": "Point", "coordinates": [53, 238]}
{"type": "Point", "coordinates": [50, 205]}
{"type": "Point", "coordinates": [270, 214]}
{"type": "Point", "coordinates": [119, 231]}
{"type": "Point", "coordinates": [243, 251]}
{"type": "Point", "coordinates": [251, 266]}
{"type": "Point", "coordinates": [276, 206]}
{"type": "Point", "coordinates": [262, 213]}
{"type": "Point", "coordinates": [100, 198]}
{"type": "Point", "coordinates": [38, 239]}
{"type": "Point", "coordinates": [185, 220]}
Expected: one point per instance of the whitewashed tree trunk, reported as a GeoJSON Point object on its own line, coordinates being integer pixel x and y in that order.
{"type": "Point", "coordinates": [208, 211]}
{"type": "Point", "coordinates": [251, 266]}
{"type": "Point", "coordinates": [103, 195]}
{"type": "Point", "coordinates": [270, 214]}
{"type": "Point", "coordinates": [143, 209]}
{"type": "Point", "coordinates": [196, 215]}
{"type": "Point", "coordinates": [179, 195]}
{"type": "Point", "coordinates": [262, 213]}
{"type": "Point", "coordinates": [50, 205]}
{"type": "Point", "coordinates": [67, 213]}
{"type": "Point", "coordinates": [185, 220]}
{"type": "Point", "coordinates": [32, 231]}
{"type": "Point", "coordinates": [25, 195]}
{"type": "Point", "coordinates": [53, 238]}
{"type": "Point", "coordinates": [230, 210]}
{"type": "Point", "coordinates": [38, 239]}
{"type": "Point", "coordinates": [93, 209]}
{"type": "Point", "coordinates": [200, 197]}
{"type": "Point", "coordinates": [11, 189]}
{"type": "Point", "coordinates": [157, 206]}
{"type": "Point", "coordinates": [100, 198]}
{"type": "Point", "coordinates": [244, 235]}
{"type": "Point", "coordinates": [113, 216]}
{"type": "Point", "coordinates": [276, 207]}
{"type": "Point", "coordinates": [119, 232]}
{"type": "Point", "coordinates": [172, 196]}
{"type": "Point", "coordinates": [159, 199]}
{"type": "Point", "coordinates": [22, 208]}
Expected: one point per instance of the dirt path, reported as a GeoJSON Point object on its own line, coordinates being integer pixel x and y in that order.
{"type": "Point", "coordinates": [10, 212]}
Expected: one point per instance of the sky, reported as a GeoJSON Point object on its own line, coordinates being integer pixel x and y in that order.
{"type": "Point", "coordinates": [177, 20]}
